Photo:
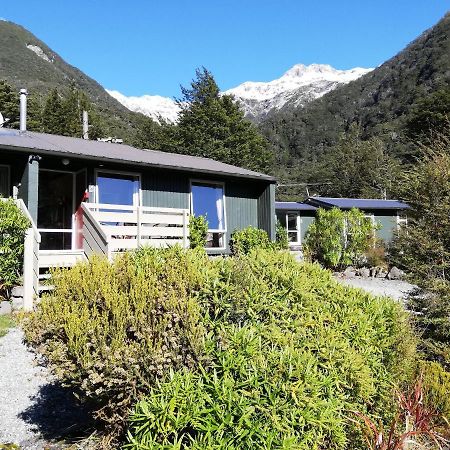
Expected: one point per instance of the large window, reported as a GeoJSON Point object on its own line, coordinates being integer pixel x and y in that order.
{"type": "Point", "coordinates": [207, 199]}
{"type": "Point", "coordinates": [117, 188]}
{"type": "Point", "coordinates": [4, 181]}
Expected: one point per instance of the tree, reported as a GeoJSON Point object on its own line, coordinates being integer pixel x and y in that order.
{"type": "Point", "coordinates": [9, 105]}
{"type": "Point", "coordinates": [360, 168]}
{"type": "Point", "coordinates": [52, 116]}
{"type": "Point", "coordinates": [423, 249]}
{"type": "Point", "coordinates": [213, 125]}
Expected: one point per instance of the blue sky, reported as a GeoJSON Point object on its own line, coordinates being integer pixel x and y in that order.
{"type": "Point", "coordinates": [151, 47]}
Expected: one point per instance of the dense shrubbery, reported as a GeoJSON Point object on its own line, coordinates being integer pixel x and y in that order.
{"type": "Point", "coordinates": [13, 226]}
{"type": "Point", "coordinates": [255, 351]}
{"type": "Point", "coordinates": [244, 241]}
{"type": "Point", "coordinates": [339, 238]}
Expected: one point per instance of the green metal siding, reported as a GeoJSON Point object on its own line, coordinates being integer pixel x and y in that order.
{"type": "Point", "coordinates": [165, 190]}
{"type": "Point", "coordinates": [266, 210]}
{"type": "Point", "coordinates": [306, 221]}
{"type": "Point", "coordinates": [388, 226]}
{"type": "Point", "coordinates": [28, 190]}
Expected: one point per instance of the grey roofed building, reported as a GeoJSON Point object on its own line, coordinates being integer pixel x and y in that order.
{"type": "Point", "coordinates": [360, 203]}
{"type": "Point", "coordinates": [59, 178]}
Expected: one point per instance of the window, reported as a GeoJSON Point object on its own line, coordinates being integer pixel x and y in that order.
{"type": "Point", "coordinates": [293, 228]}
{"type": "Point", "coordinates": [207, 199]}
{"type": "Point", "coordinates": [117, 188]}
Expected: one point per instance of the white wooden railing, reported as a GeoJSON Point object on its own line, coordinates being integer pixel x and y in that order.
{"type": "Point", "coordinates": [30, 260]}
{"type": "Point", "coordinates": [108, 229]}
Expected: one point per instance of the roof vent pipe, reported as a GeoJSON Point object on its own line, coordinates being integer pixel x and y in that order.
{"type": "Point", "coordinates": [85, 125]}
{"type": "Point", "coordinates": [23, 110]}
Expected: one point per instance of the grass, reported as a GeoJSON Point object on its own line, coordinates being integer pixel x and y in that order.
{"type": "Point", "coordinates": [6, 322]}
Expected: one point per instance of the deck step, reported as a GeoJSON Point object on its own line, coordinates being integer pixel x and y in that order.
{"type": "Point", "coordinates": [60, 258]}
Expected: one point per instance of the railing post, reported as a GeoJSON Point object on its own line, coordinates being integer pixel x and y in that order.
{"type": "Point", "coordinates": [138, 237]}
{"type": "Point", "coordinates": [29, 275]}
{"type": "Point", "coordinates": [185, 223]}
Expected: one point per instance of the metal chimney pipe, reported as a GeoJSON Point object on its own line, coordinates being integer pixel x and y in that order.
{"type": "Point", "coordinates": [85, 125]}
{"type": "Point", "coordinates": [23, 110]}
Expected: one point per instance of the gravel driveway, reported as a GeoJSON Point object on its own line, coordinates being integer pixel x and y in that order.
{"type": "Point", "coordinates": [36, 413]}
{"type": "Point", "coordinates": [396, 289]}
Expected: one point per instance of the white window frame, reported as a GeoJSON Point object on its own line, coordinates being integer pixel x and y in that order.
{"type": "Point", "coordinates": [401, 221]}
{"type": "Point", "coordinates": [191, 209]}
{"type": "Point", "coordinates": [8, 178]}
{"type": "Point", "coordinates": [298, 223]}
{"type": "Point", "coordinates": [137, 196]}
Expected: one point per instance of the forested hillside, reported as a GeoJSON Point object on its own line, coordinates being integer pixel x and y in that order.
{"type": "Point", "coordinates": [380, 102]}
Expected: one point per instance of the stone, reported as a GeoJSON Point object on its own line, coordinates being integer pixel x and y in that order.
{"type": "Point", "coordinates": [395, 274]}
{"type": "Point", "coordinates": [17, 291]}
{"type": "Point", "coordinates": [364, 272]}
{"type": "Point", "coordinates": [350, 272]}
{"type": "Point", "coordinates": [5, 308]}
{"type": "Point", "coordinates": [17, 303]}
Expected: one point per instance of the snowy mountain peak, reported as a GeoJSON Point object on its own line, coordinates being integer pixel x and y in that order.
{"type": "Point", "coordinates": [298, 86]}
{"type": "Point", "coordinates": [153, 106]}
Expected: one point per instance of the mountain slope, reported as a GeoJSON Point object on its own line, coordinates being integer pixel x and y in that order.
{"type": "Point", "coordinates": [298, 86]}
{"type": "Point", "coordinates": [379, 101]}
{"type": "Point", "coordinates": [27, 62]}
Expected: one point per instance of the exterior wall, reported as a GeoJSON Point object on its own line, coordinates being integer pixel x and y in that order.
{"type": "Point", "coordinates": [388, 221]}
{"type": "Point", "coordinates": [266, 210]}
{"type": "Point", "coordinates": [306, 219]}
{"type": "Point", "coordinates": [28, 190]}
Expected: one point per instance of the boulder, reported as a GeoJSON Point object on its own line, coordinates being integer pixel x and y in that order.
{"type": "Point", "coordinates": [350, 272]}
{"type": "Point", "coordinates": [17, 303]}
{"type": "Point", "coordinates": [395, 274]}
{"type": "Point", "coordinates": [17, 291]}
{"type": "Point", "coordinates": [5, 308]}
{"type": "Point", "coordinates": [364, 272]}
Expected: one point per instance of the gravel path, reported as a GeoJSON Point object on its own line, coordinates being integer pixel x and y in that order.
{"type": "Point", "coordinates": [35, 412]}
{"type": "Point", "coordinates": [396, 289]}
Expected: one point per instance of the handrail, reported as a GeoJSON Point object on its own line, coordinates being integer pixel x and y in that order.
{"type": "Point", "coordinates": [21, 204]}
{"type": "Point", "coordinates": [99, 228]}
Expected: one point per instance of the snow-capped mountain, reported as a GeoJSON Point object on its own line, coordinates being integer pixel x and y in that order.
{"type": "Point", "coordinates": [153, 106]}
{"type": "Point", "coordinates": [298, 86]}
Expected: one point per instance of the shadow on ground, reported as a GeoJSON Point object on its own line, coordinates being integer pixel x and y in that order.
{"type": "Point", "coordinates": [57, 415]}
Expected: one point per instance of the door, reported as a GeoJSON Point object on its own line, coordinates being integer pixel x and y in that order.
{"type": "Point", "coordinates": [4, 181]}
{"type": "Point", "coordinates": [293, 229]}
{"type": "Point", "coordinates": [55, 209]}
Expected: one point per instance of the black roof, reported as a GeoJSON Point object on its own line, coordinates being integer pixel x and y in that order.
{"type": "Point", "coordinates": [360, 203]}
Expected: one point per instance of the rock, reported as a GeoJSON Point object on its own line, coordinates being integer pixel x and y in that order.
{"type": "Point", "coordinates": [349, 272]}
{"type": "Point", "coordinates": [395, 274]}
{"type": "Point", "coordinates": [17, 291]}
{"type": "Point", "coordinates": [381, 274]}
{"type": "Point", "coordinates": [364, 272]}
{"type": "Point", "coordinates": [16, 303]}
{"type": "Point", "coordinates": [5, 308]}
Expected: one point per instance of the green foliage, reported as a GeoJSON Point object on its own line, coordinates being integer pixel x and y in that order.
{"type": "Point", "coordinates": [6, 322]}
{"type": "Point", "coordinates": [110, 330]}
{"type": "Point", "coordinates": [13, 226]}
{"type": "Point", "coordinates": [244, 241]}
{"type": "Point", "coordinates": [339, 238]}
{"type": "Point", "coordinates": [282, 242]}
{"type": "Point", "coordinates": [289, 352]}
{"type": "Point", "coordinates": [360, 168]}
{"type": "Point", "coordinates": [213, 126]}
{"type": "Point", "coordinates": [198, 229]}
{"type": "Point", "coordinates": [436, 386]}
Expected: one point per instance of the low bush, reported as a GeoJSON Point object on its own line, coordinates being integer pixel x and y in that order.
{"type": "Point", "coordinates": [198, 230]}
{"type": "Point", "coordinates": [250, 238]}
{"type": "Point", "coordinates": [110, 329]}
{"type": "Point", "coordinates": [339, 238]}
{"type": "Point", "coordinates": [282, 242]}
{"type": "Point", "coordinates": [290, 353]}
{"type": "Point", "coordinates": [13, 226]}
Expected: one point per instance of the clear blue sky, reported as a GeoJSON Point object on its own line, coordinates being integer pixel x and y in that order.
{"type": "Point", "coordinates": [146, 46]}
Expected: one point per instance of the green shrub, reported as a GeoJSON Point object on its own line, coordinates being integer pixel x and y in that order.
{"type": "Point", "coordinates": [198, 229]}
{"type": "Point", "coordinates": [250, 238]}
{"type": "Point", "coordinates": [110, 329]}
{"type": "Point", "coordinates": [290, 353]}
{"type": "Point", "coordinates": [13, 226]}
{"type": "Point", "coordinates": [436, 386]}
{"type": "Point", "coordinates": [282, 242]}
{"type": "Point", "coordinates": [339, 238]}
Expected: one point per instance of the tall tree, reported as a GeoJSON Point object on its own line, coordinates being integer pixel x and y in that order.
{"type": "Point", "coordinates": [52, 115]}
{"type": "Point", "coordinates": [360, 168]}
{"type": "Point", "coordinates": [213, 126]}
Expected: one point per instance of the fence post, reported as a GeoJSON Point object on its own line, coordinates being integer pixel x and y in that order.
{"type": "Point", "coordinates": [28, 271]}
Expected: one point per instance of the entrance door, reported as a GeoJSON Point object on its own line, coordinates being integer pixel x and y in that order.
{"type": "Point", "coordinates": [55, 209]}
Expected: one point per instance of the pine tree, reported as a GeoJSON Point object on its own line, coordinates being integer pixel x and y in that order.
{"type": "Point", "coordinates": [9, 105]}
{"type": "Point", "coordinates": [52, 116]}
{"type": "Point", "coordinates": [213, 126]}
